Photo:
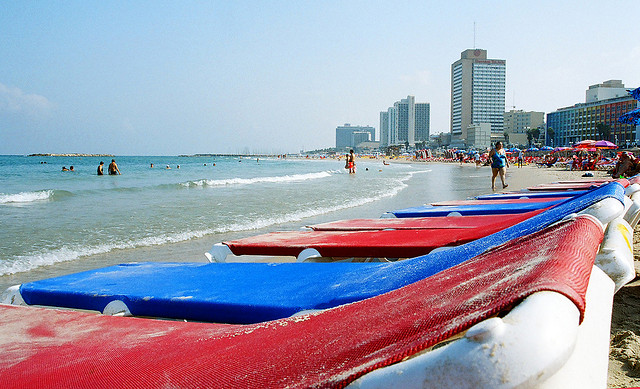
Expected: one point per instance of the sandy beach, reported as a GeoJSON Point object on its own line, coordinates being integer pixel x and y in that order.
{"type": "Point", "coordinates": [624, 352]}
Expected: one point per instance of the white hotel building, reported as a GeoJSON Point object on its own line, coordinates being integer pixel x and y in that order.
{"type": "Point", "coordinates": [477, 94]}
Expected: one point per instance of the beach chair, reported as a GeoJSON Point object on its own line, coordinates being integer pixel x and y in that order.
{"type": "Point", "coordinates": [482, 208]}
{"type": "Point", "coordinates": [577, 185]}
{"type": "Point", "coordinates": [534, 312]}
{"type": "Point", "coordinates": [431, 223]}
{"type": "Point", "coordinates": [256, 292]}
{"type": "Point", "coordinates": [373, 239]}
{"type": "Point", "coordinates": [497, 201]}
{"type": "Point", "coordinates": [531, 195]}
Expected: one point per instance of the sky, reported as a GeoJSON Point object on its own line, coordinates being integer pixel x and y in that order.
{"type": "Point", "coordinates": [186, 77]}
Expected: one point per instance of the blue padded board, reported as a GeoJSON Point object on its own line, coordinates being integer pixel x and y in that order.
{"type": "Point", "coordinates": [255, 292]}
{"type": "Point", "coordinates": [480, 209]}
{"type": "Point", "coordinates": [532, 195]}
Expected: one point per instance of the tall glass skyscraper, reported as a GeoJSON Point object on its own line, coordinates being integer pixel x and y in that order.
{"type": "Point", "coordinates": [477, 93]}
{"type": "Point", "coordinates": [406, 121]}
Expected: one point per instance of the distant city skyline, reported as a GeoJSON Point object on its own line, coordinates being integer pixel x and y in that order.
{"type": "Point", "coordinates": [223, 77]}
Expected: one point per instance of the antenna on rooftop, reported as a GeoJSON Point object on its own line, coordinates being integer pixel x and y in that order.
{"type": "Point", "coordinates": [474, 34]}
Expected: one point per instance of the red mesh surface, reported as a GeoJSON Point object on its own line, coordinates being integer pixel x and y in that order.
{"type": "Point", "coordinates": [404, 242]}
{"type": "Point", "coordinates": [62, 349]}
{"type": "Point", "coordinates": [412, 223]}
{"type": "Point", "coordinates": [578, 185]}
{"type": "Point", "coordinates": [498, 201]}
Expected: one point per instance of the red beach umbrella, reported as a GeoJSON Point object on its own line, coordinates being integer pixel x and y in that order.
{"type": "Point", "coordinates": [585, 144]}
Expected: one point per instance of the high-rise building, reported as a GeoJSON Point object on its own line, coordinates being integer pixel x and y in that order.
{"type": "Point", "coordinates": [423, 118]}
{"type": "Point", "coordinates": [384, 129]}
{"type": "Point", "coordinates": [582, 121]}
{"type": "Point", "coordinates": [350, 136]}
{"type": "Point", "coordinates": [406, 121]}
{"type": "Point", "coordinates": [477, 93]}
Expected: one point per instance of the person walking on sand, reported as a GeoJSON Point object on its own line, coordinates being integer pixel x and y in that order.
{"type": "Point", "coordinates": [520, 158]}
{"type": "Point", "coordinates": [499, 165]}
{"type": "Point", "coordinates": [100, 172]}
{"type": "Point", "coordinates": [352, 162]}
{"type": "Point", "coordinates": [113, 168]}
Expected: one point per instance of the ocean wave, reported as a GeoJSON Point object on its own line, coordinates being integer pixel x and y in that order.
{"type": "Point", "coordinates": [29, 197]}
{"type": "Point", "coordinates": [32, 261]}
{"type": "Point", "coordinates": [35, 260]}
{"type": "Point", "coordinates": [258, 180]}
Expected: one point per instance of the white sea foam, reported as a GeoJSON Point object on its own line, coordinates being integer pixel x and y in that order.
{"type": "Point", "coordinates": [258, 180]}
{"type": "Point", "coordinates": [69, 253]}
{"type": "Point", "coordinates": [25, 197]}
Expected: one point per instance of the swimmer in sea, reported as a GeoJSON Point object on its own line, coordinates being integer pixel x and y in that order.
{"type": "Point", "coordinates": [100, 172]}
{"type": "Point", "coordinates": [113, 168]}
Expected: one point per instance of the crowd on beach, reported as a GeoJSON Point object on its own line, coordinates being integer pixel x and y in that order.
{"type": "Point", "coordinates": [616, 164]}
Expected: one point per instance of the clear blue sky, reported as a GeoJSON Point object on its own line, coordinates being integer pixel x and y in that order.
{"type": "Point", "coordinates": [155, 77]}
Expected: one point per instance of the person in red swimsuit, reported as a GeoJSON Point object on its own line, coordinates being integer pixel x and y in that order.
{"type": "Point", "coordinates": [351, 162]}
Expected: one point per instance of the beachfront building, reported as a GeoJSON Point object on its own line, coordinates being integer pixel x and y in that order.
{"type": "Point", "coordinates": [518, 122]}
{"type": "Point", "coordinates": [605, 91]}
{"type": "Point", "coordinates": [405, 122]}
{"type": "Point", "coordinates": [479, 136]}
{"type": "Point", "coordinates": [597, 118]}
{"type": "Point", "coordinates": [442, 139]}
{"type": "Point", "coordinates": [477, 93]}
{"type": "Point", "coordinates": [422, 120]}
{"type": "Point", "coordinates": [349, 136]}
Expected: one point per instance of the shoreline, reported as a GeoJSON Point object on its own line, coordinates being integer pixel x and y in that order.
{"type": "Point", "coordinates": [70, 155]}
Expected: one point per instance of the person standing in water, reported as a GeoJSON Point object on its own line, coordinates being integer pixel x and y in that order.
{"type": "Point", "coordinates": [499, 165]}
{"type": "Point", "coordinates": [351, 162]}
{"type": "Point", "coordinates": [113, 168]}
{"type": "Point", "coordinates": [100, 172]}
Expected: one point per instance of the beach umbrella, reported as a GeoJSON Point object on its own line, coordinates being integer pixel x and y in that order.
{"type": "Point", "coordinates": [584, 144]}
{"type": "Point", "coordinates": [632, 117]}
{"type": "Point", "coordinates": [532, 149]}
{"type": "Point", "coordinates": [635, 93]}
{"type": "Point", "coordinates": [605, 144]}
{"type": "Point", "coordinates": [545, 148]}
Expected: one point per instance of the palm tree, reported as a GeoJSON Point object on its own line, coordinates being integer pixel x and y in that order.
{"type": "Point", "coordinates": [550, 134]}
{"type": "Point", "coordinates": [533, 133]}
{"type": "Point", "coordinates": [603, 131]}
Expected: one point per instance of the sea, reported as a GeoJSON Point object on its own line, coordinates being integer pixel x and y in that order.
{"type": "Point", "coordinates": [55, 222]}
